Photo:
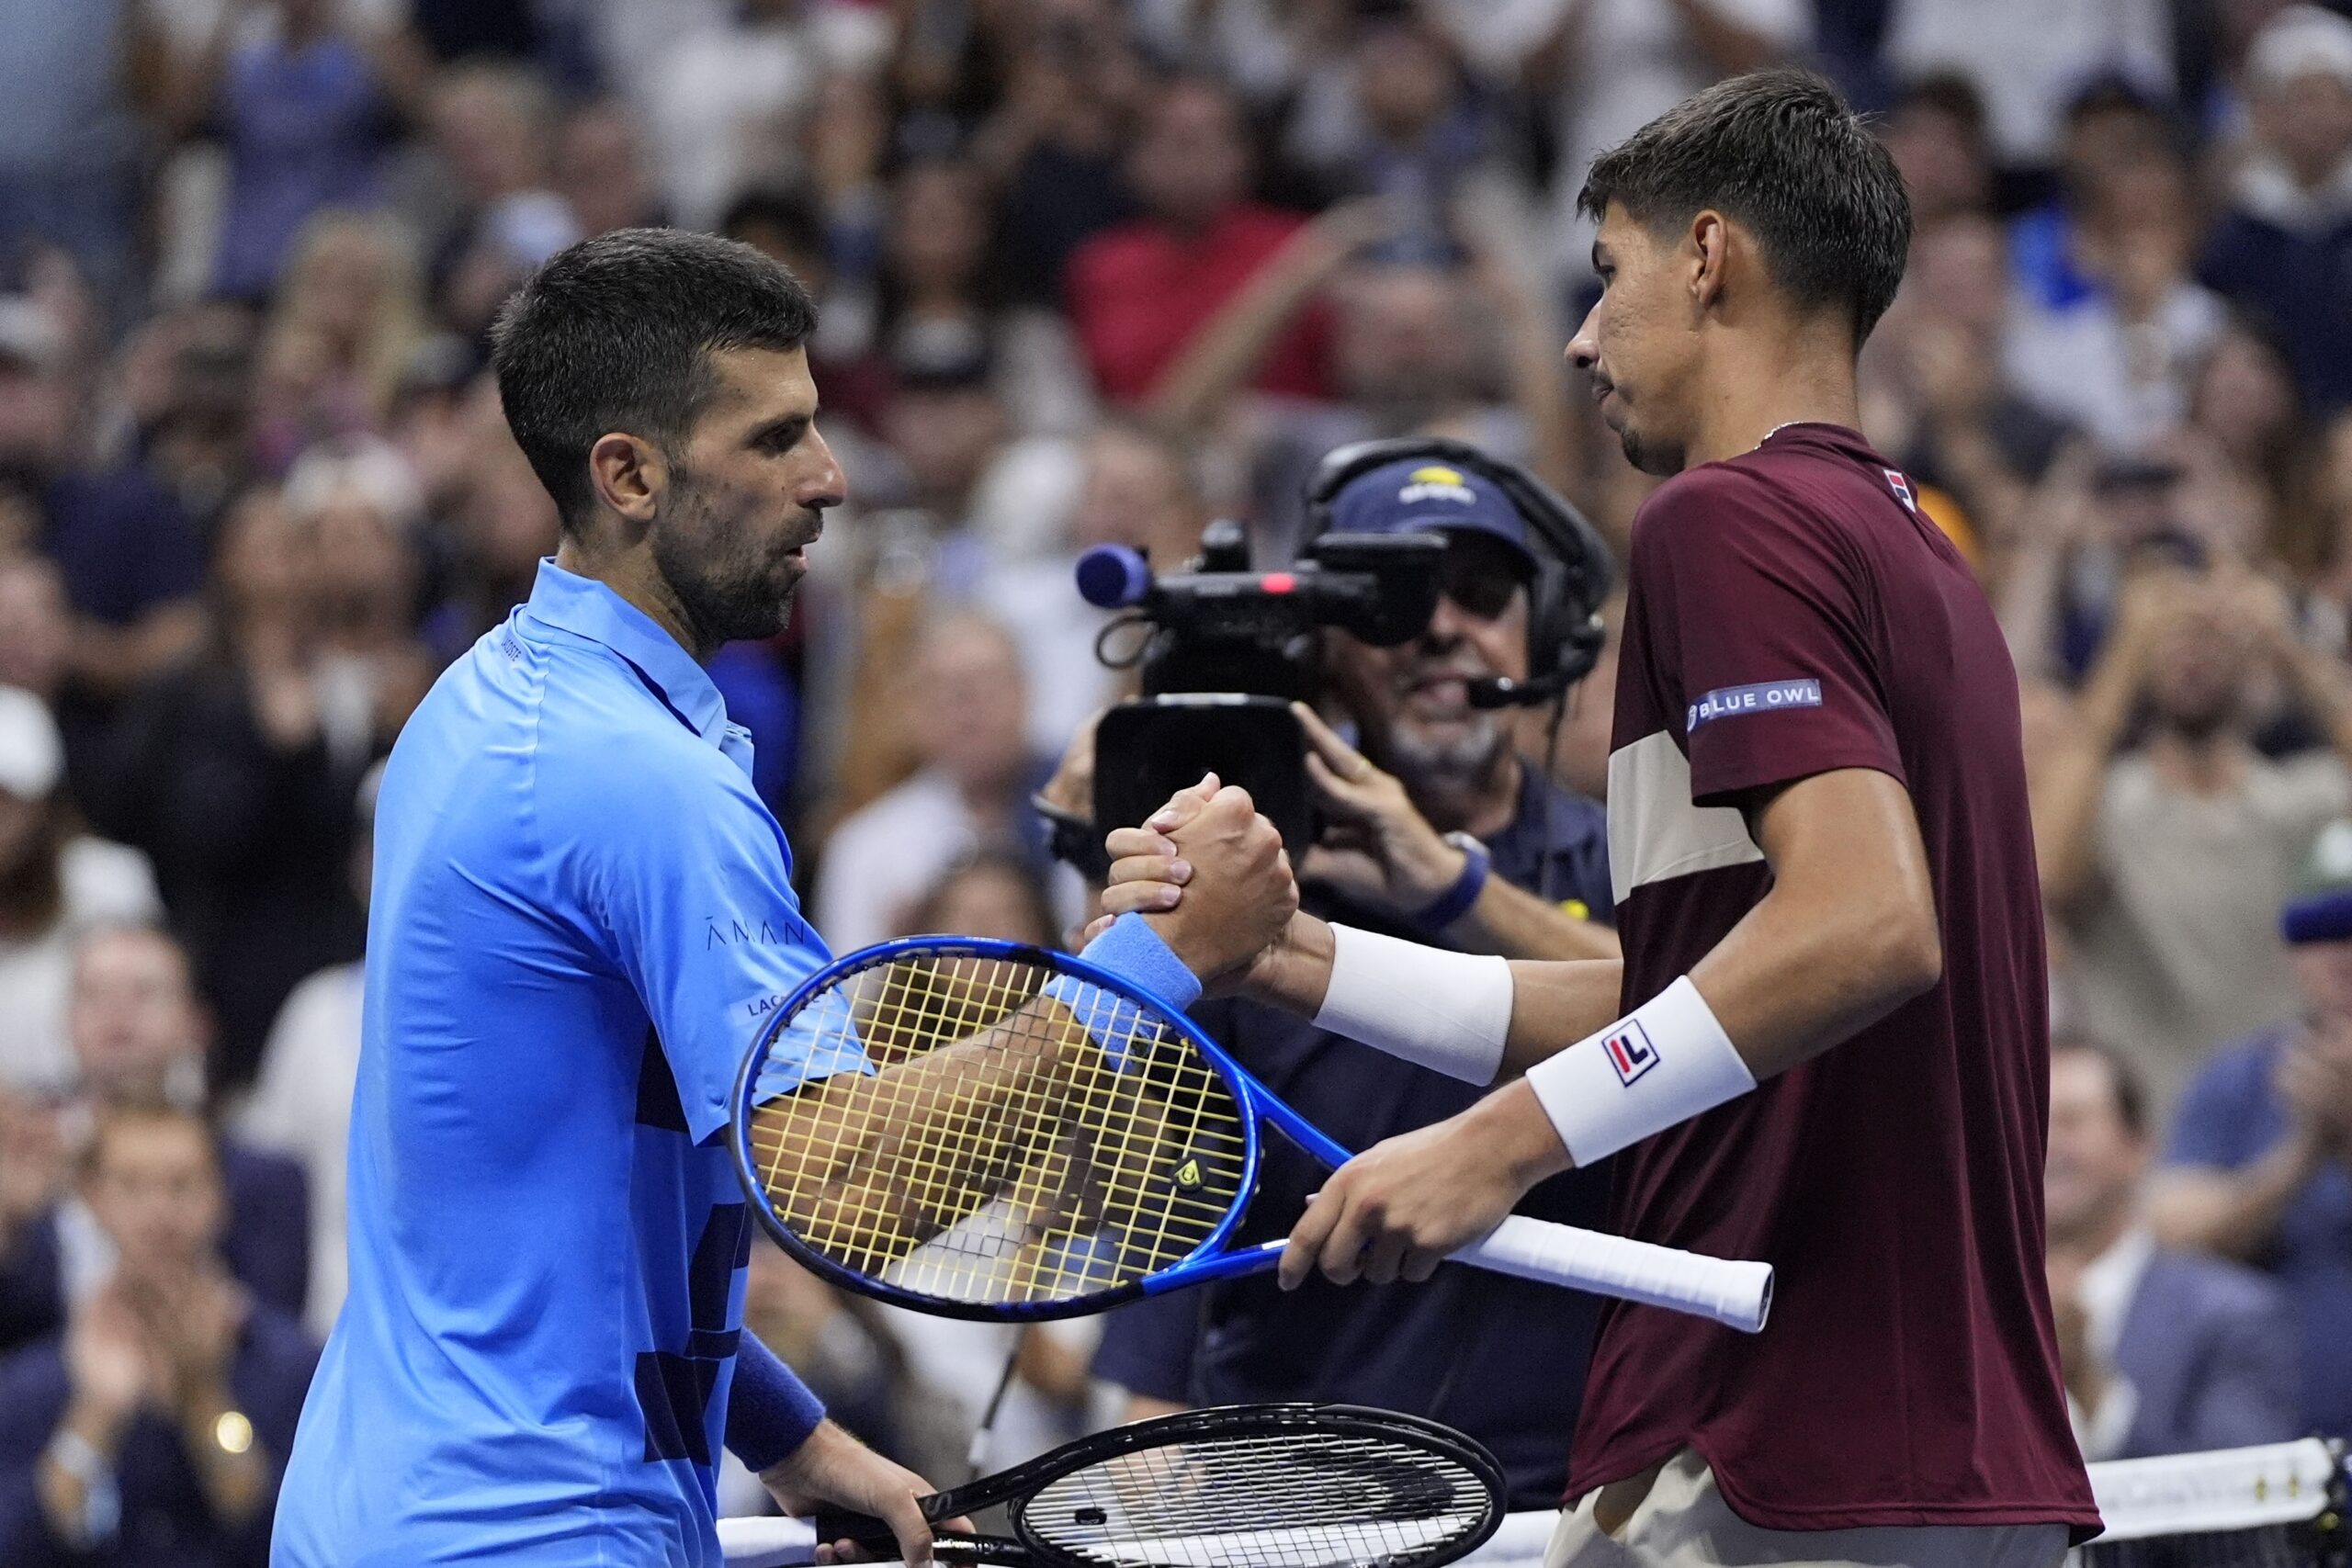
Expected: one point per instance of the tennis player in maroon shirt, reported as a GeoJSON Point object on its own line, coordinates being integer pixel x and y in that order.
{"type": "Point", "coordinates": [1827, 1045]}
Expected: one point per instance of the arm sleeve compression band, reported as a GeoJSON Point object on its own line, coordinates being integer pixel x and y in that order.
{"type": "Point", "coordinates": [1447, 1012]}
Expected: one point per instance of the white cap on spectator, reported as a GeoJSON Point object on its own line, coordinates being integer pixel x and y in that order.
{"type": "Point", "coordinates": [29, 333]}
{"type": "Point", "coordinates": [2301, 41]}
{"type": "Point", "coordinates": [32, 756]}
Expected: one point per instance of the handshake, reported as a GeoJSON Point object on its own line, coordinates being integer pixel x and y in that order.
{"type": "Point", "coordinates": [1208, 872]}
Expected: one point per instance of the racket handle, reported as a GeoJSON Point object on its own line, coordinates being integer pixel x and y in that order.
{"type": "Point", "coordinates": [1736, 1294]}
{"type": "Point", "coordinates": [767, 1543]}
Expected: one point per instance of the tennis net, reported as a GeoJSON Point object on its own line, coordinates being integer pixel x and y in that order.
{"type": "Point", "coordinates": [2281, 1505]}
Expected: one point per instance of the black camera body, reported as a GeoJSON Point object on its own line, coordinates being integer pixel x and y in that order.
{"type": "Point", "coordinates": [1230, 649]}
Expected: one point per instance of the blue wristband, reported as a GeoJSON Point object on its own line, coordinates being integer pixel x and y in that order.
{"type": "Point", "coordinates": [1132, 951]}
{"type": "Point", "coordinates": [1455, 901]}
{"type": "Point", "coordinates": [769, 1411]}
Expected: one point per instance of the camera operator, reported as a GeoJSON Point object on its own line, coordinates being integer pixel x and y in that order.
{"type": "Point", "coordinates": [1435, 828]}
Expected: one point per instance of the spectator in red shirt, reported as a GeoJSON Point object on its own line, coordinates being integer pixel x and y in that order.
{"type": "Point", "coordinates": [1139, 291]}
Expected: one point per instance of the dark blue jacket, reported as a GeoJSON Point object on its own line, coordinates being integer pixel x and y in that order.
{"type": "Point", "coordinates": [2212, 1351]}
{"type": "Point", "coordinates": [166, 1521]}
{"type": "Point", "coordinates": [266, 1247]}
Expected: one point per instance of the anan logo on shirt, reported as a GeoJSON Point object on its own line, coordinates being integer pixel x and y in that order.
{"type": "Point", "coordinates": [1764, 696]}
{"type": "Point", "coordinates": [1902, 489]}
{"type": "Point", "coordinates": [1630, 1052]}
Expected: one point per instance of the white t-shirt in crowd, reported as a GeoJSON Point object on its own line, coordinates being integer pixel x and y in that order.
{"type": "Point", "coordinates": [301, 1107]}
{"type": "Point", "coordinates": [103, 883]}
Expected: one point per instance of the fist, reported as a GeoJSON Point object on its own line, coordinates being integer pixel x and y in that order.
{"type": "Point", "coordinates": [1239, 892]}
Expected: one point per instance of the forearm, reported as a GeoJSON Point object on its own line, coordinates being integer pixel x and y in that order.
{"type": "Point", "coordinates": [2065, 790]}
{"type": "Point", "coordinates": [61, 1493]}
{"type": "Point", "coordinates": [1226, 351]}
{"type": "Point", "coordinates": [830, 1152]}
{"type": "Point", "coordinates": [2233, 1213]}
{"type": "Point", "coordinates": [1514, 923]}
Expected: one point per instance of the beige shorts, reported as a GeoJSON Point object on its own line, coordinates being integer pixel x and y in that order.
{"type": "Point", "coordinates": [1683, 1522]}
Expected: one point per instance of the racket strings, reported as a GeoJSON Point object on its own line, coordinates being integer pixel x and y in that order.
{"type": "Point", "coordinates": [1075, 1144]}
{"type": "Point", "coordinates": [1287, 1500]}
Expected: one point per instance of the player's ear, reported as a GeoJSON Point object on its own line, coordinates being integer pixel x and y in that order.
{"type": "Point", "coordinates": [629, 474]}
{"type": "Point", "coordinates": [1707, 252]}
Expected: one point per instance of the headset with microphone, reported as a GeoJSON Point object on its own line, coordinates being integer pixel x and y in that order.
{"type": "Point", "coordinates": [1573, 568]}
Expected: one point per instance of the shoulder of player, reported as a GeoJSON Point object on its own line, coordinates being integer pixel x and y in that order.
{"type": "Point", "coordinates": [1728, 504]}
{"type": "Point", "coordinates": [613, 752]}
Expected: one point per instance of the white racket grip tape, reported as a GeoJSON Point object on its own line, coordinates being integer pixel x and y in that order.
{"type": "Point", "coordinates": [1734, 1293]}
{"type": "Point", "coordinates": [767, 1543]}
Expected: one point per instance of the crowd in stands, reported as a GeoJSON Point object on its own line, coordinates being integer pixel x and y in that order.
{"type": "Point", "coordinates": [1095, 271]}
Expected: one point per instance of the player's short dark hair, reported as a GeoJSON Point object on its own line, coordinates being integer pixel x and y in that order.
{"type": "Point", "coordinates": [617, 333]}
{"type": "Point", "coordinates": [2130, 1091]}
{"type": "Point", "coordinates": [1780, 152]}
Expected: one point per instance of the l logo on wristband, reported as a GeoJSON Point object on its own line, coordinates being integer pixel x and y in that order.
{"type": "Point", "coordinates": [1630, 1052]}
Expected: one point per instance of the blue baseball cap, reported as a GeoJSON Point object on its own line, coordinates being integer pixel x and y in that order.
{"type": "Point", "coordinates": [1425, 493]}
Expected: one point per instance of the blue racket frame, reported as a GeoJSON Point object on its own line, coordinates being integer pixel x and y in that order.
{"type": "Point", "coordinates": [1209, 1260]}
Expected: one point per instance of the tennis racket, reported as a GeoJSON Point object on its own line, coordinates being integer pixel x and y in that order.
{"type": "Point", "coordinates": [1237, 1486]}
{"type": "Point", "coordinates": [981, 1129]}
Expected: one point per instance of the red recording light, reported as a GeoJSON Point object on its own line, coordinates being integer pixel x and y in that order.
{"type": "Point", "coordinates": [1278, 582]}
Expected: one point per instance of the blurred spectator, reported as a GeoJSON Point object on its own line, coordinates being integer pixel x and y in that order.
{"type": "Point", "coordinates": [989, 892]}
{"type": "Point", "coordinates": [35, 624]}
{"type": "Point", "coordinates": [237, 775]}
{"type": "Point", "coordinates": [600, 169]}
{"type": "Point", "coordinates": [130, 556]}
{"type": "Point", "coordinates": [68, 146]}
{"type": "Point", "coordinates": [1408, 128]}
{"type": "Point", "coordinates": [788, 225]}
{"type": "Point", "coordinates": [966, 689]}
{"type": "Point", "coordinates": [725, 99]}
{"type": "Point", "coordinates": [2118, 361]}
{"type": "Point", "coordinates": [2163, 1352]}
{"type": "Point", "coordinates": [502, 523]}
{"type": "Point", "coordinates": [139, 1036]}
{"type": "Point", "coordinates": [348, 323]}
{"type": "Point", "coordinates": [1136, 490]}
{"type": "Point", "coordinates": [303, 98]}
{"type": "Point", "coordinates": [301, 1106]}
{"type": "Point", "coordinates": [2260, 1164]}
{"type": "Point", "coordinates": [2162, 860]}
{"type": "Point", "coordinates": [361, 510]}
{"type": "Point", "coordinates": [1608, 67]}
{"type": "Point", "coordinates": [496, 216]}
{"type": "Point", "coordinates": [150, 1430]}
{"type": "Point", "coordinates": [940, 302]}
{"type": "Point", "coordinates": [186, 400]}
{"type": "Point", "coordinates": [2024, 57]}
{"type": "Point", "coordinates": [1937, 134]}
{"type": "Point", "coordinates": [1138, 292]}
{"type": "Point", "coordinates": [2284, 248]}
{"type": "Point", "coordinates": [56, 882]}
{"type": "Point", "coordinates": [2110, 125]}
{"type": "Point", "coordinates": [1053, 146]}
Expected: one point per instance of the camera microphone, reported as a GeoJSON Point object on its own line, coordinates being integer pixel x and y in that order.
{"type": "Point", "coordinates": [1113, 577]}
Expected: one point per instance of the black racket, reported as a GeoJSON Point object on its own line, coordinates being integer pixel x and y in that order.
{"type": "Point", "coordinates": [1235, 1486]}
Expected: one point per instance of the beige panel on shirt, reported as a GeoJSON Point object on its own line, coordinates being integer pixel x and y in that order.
{"type": "Point", "coordinates": [1654, 830]}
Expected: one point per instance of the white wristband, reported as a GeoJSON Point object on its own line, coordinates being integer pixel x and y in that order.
{"type": "Point", "coordinates": [1663, 1063]}
{"type": "Point", "coordinates": [1447, 1012]}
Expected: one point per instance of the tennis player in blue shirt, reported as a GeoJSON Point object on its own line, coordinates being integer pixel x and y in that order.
{"type": "Point", "coordinates": [583, 913]}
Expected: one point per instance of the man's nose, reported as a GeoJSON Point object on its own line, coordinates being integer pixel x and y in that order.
{"type": "Point", "coordinates": [1584, 349]}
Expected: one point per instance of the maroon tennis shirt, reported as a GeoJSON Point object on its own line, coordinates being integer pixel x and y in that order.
{"type": "Point", "coordinates": [1792, 612]}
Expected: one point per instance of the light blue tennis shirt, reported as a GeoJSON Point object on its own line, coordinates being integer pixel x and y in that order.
{"type": "Point", "coordinates": [581, 914]}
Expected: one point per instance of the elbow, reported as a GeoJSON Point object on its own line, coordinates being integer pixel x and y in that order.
{"type": "Point", "coordinates": [1904, 954]}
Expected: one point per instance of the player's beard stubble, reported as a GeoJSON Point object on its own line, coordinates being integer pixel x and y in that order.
{"type": "Point", "coordinates": [734, 579]}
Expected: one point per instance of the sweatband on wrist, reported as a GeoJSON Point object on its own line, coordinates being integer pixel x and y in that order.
{"type": "Point", "coordinates": [769, 1412]}
{"type": "Point", "coordinates": [1663, 1063]}
{"type": "Point", "coordinates": [1445, 1010]}
{"type": "Point", "coordinates": [1135, 953]}
{"type": "Point", "coordinates": [1455, 901]}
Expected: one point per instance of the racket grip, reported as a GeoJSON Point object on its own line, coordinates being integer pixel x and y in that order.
{"type": "Point", "coordinates": [1736, 1294]}
{"type": "Point", "coordinates": [767, 1543]}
